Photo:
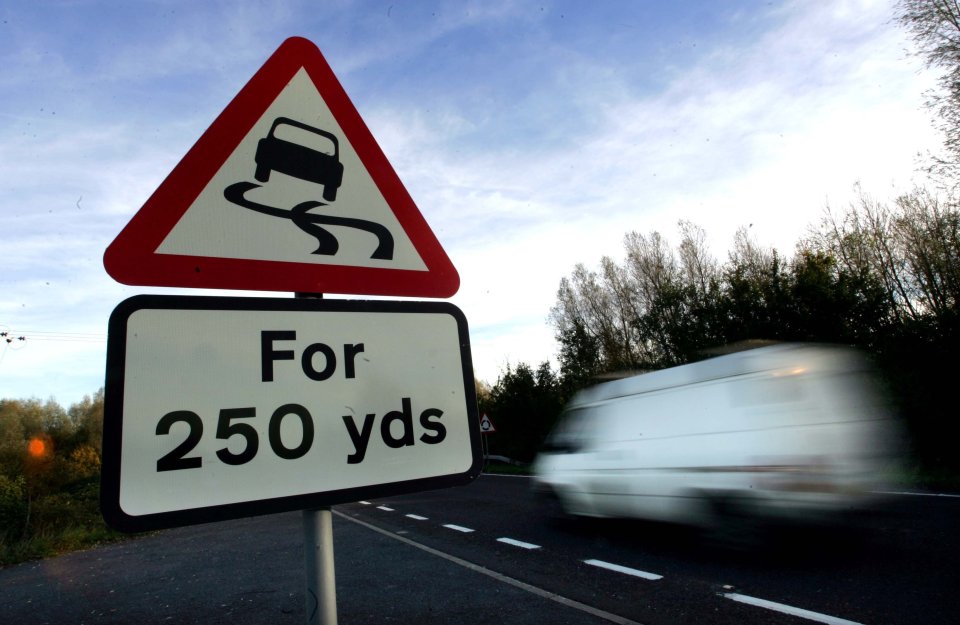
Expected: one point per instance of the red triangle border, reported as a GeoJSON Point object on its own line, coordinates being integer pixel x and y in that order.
{"type": "Point", "coordinates": [132, 259]}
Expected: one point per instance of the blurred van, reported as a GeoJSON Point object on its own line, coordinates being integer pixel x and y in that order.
{"type": "Point", "coordinates": [788, 431]}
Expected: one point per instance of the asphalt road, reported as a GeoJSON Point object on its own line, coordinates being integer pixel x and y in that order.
{"type": "Point", "coordinates": [410, 559]}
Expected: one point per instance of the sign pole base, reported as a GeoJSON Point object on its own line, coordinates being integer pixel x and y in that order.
{"type": "Point", "coordinates": [321, 595]}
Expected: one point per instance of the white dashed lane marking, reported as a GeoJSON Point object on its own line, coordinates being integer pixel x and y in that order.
{"type": "Point", "coordinates": [623, 569]}
{"type": "Point", "coordinates": [518, 543]}
{"type": "Point", "coordinates": [760, 603]}
{"type": "Point", "coordinates": [540, 592]}
{"type": "Point", "coordinates": [789, 609]}
{"type": "Point", "coordinates": [459, 528]}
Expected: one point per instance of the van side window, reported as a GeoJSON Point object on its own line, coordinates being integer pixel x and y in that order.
{"type": "Point", "coordinates": [571, 434]}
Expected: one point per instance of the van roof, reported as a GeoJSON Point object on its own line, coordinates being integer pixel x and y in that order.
{"type": "Point", "coordinates": [750, 361]}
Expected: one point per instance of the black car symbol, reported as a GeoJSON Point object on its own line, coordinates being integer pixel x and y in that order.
{"type": "Point", "coordinates": [299, 160]}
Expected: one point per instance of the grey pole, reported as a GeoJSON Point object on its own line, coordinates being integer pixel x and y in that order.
{"type": "Point", "coordinates": [321, 587]}
{"type": "Point", "coordinates": [321, 595]}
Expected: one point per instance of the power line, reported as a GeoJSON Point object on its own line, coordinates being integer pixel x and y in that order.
{"type": "Point", "coordinates": [62, 336]}
{"type": "Point", "coordinates": [12, 338]}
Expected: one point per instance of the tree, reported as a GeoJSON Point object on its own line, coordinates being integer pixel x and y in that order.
{"type": "Point", "coordinates": [908, 251]}
{"type": "Point", "coordinates": [524, 403]}
{"type": "Point", "coordinates": [588, 304]}
{"type": "Point", "coordinates": [682, 315]}
{"type": "Point", "coordinates": [935, 29]}
{"type": "Point", "coordinates": [656, 309]}
{"type": "Point", "coordinates": [579, 356]}
{"type": "Point", "coordinates": [483, 391]}
{"type": "Point", "coordinates": [884, 276]}
{"type": "Point", "coordinates": [49, 470]}
{"type": "Point", "coordinates": [702, 279]}
{"type": "Point", "coordinates": [755, 286]}
{"type": "Point", "coordinates": [828, 303]}
{"type": "Point", "coordinates": [87, 418]}
{"type": "Point", "coordinates": [926, 232]}
{"type": "Point", "coordinates": [20, 420]}
{"type": "Point", "coordinates": [655, 274]}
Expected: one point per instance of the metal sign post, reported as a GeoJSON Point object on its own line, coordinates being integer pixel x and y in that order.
{"type": "Point", "coordinates": [321, 582]}
{"type": "Point", "coordinates": [321, 587]}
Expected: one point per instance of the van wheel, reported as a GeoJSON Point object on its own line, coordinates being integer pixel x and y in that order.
{"type": "Point", "coordinates": [733, 525]}
{"type": "Point", "coordinates": [554, 510]}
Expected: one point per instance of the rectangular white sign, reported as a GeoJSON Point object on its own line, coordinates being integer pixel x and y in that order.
{"type": "Point", "coordinates": [226, 407]}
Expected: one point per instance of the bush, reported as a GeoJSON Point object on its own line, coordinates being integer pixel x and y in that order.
{"type": "Point", "coordinates": [13, 508]}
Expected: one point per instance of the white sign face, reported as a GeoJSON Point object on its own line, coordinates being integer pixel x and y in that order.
{"type": "Point", "coordinates": [225, 407]}
{"type": "Point", "coordinates": [216, 226]}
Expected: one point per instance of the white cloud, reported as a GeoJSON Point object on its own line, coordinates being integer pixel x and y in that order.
{"type": "Point", "coordinates": [766, 134]}
{"type": "Point", "coordinates": [519, 185]}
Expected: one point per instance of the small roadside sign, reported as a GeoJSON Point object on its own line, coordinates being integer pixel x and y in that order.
{"type": "Point", "coordinates": [287, 190]}
{"type": "Point", "coordinates": [220, 407]}
{"type": "Point", "coordinates": [486, 425]}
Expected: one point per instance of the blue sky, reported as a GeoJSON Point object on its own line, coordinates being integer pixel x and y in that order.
{"type": "Point", "coordinates": [532, 135]}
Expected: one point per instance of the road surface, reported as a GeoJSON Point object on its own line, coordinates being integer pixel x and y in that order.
{"type": "Point", "coordinates": [486, 553]}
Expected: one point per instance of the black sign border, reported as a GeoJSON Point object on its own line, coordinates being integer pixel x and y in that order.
{"type": "Point", "coordinates": [114, 515]}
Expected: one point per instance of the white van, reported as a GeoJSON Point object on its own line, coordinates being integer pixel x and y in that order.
{"type": "Point", "coordinates": [789, 430]}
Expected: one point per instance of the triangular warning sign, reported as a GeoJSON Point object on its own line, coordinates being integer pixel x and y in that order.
{"type": "Point", "coordinates": [286, 191]}
{"type": "Point", "coordinates": [486, 425]}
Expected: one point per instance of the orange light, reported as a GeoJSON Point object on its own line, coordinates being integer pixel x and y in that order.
{"type": "Point", "coordinates": [36, 447]}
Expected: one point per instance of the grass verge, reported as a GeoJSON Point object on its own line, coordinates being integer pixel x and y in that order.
{"type": "Point", "coordinates": [501, 468]}
{"type": "Point", "coordinates": [50, 543]}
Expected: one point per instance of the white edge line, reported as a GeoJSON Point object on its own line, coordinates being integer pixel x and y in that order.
{"type": "Point", "coordinates": [787, 609]}
{"type": "Point", "coordinates": [365, 503]}
{"type": "Point", "coordinates": [623, 569]}
{"type": "Point", "coordinates": [458, 528]}
{"type": "Point", "coordinates": [540, 592]}
{"type": "Point", "coordinates": [385, 508]}
{"type": "Point", "coordinates": [506, 475]}
{"type": "Point", "coordinates": [518, 543]}
{"type": "Point", "coordinates": [416, 517]}
{"type": "Point", "coordinates": [909, 494]}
